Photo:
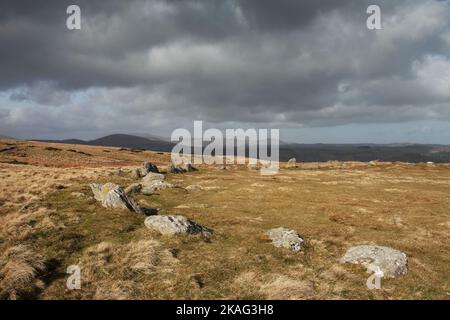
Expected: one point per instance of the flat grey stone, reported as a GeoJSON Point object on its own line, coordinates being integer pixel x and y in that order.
{"type": "Point", "coordinates": [286, 238]}
{"type": "Point", "coordinates": [392, 262]}
{"type": "Point", "coordinates": [150, 187]}
{"type": "Point", "coordinates": [151, 176]}
{"type": "Point", "coordinates": [175, 224]}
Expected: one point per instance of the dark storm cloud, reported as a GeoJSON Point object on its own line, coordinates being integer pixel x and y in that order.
{"type": "Point", "coordinates": [284, 63]}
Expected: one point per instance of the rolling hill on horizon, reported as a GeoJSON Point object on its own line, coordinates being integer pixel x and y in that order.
{"type": "Point", "coordinates": [405, 152]}
{"type": "Point", "coordinates": [122, 140]}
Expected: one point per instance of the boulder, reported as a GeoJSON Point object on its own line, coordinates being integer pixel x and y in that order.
{"type": "Point", "coordinates": [391, 262]}
{"type": "Point", "coordinates": [292, 163]}
{"type": "Point", "coordinates": [286, 238]}
{"type": "Point", "coordinates": [176, 224]}
{"type": "Point", "coordinates": [113, 196]}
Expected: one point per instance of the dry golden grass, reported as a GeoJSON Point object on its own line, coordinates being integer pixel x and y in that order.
{"type": "Point", "coordinates": [333, 206]}
{"type": "Point", "coordinates": [19, 268]}
{"type": "Point", "coordinates": [113, 271]}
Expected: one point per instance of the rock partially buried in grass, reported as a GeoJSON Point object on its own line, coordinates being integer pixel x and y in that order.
{"type": "Point", "coordinates": [148, 167]}
{"type": "Point", "coordinates": [150, 188]}
{"type": "Point", "coordinates": [188, 167]}
{"type": "Point", "coordinates": [133, 188]}
{"type": "Point", "coordinates": [286, 238]}
{"type": "Point", "coordinates": [174, 169]}
{"type": "Point", "coordinates": [153, 182]}
{"type": "Point", "coordinates": [78, 194]}
{"type": "Point", "coordinates": [392, 262]}
{"type": "Point", "coordinates": [194, 187]}
{"type": "Point", "coordinates": [113, 196]}
{"type": "Point", "coordinates": [292, 163]}
{"type": "Point", "coordinates": [151, 176]}
{"type": "Point", "coordinates": [176, 224]}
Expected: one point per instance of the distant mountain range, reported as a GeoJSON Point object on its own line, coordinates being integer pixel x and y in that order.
{"type": "Point", "coordinates": [302, 152]}
{"type": "Point", "coordinates": [124, 141]}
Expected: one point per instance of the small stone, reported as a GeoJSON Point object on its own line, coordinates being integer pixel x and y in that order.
{"type": "Point", "coordinates": [194, 187]}
{"type": "Point", "coordinates": [174, 169]}
{"type": "Point", "coordinates": [176, 224]}
{"type": "Point", "coordinates": [292, 163]}
{"type": "Point", "coordinates": [150, 187]}
{"type": "Point", "coordinates": [150, 211]}
{"type": "Point", "coordinates": [148, 167]}
{"type": "Point", "coordinates": [151, 176]}
{"type": "Point", "coordinates": [188, 167]}
{"type": "Point", "coordinates": [286, 238]}
{"type": "Point", "coordinates": [77, 194]}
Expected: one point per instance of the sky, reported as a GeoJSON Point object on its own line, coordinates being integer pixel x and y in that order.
{"type": "Point", "coordinates": [308, 67]}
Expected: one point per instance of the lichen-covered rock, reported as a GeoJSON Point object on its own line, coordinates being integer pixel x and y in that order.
{"type": "Point", "coordinates": [154, 181]}
{"type": "Point", "coordinates": [392, 262]}
{"type": "Point", "coordinates": [151, 176]}
{"type": "Point", "coordinates": [292, 163]}
{"type": "Point", "coordinates": [113, 196]}
{"type": "Point", "coordinates": [152, 186]}
{"type": "Point", "coordinates": [286, 238]}
{"type": "Point", "coordinates": [175, 224]}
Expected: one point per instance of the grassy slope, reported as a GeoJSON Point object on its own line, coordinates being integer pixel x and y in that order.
{"type": "Point", "coordinates": [405, 207]}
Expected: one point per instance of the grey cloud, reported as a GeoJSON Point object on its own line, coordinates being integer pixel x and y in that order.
{"type": "Point", "coordinates": [165, 63]}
